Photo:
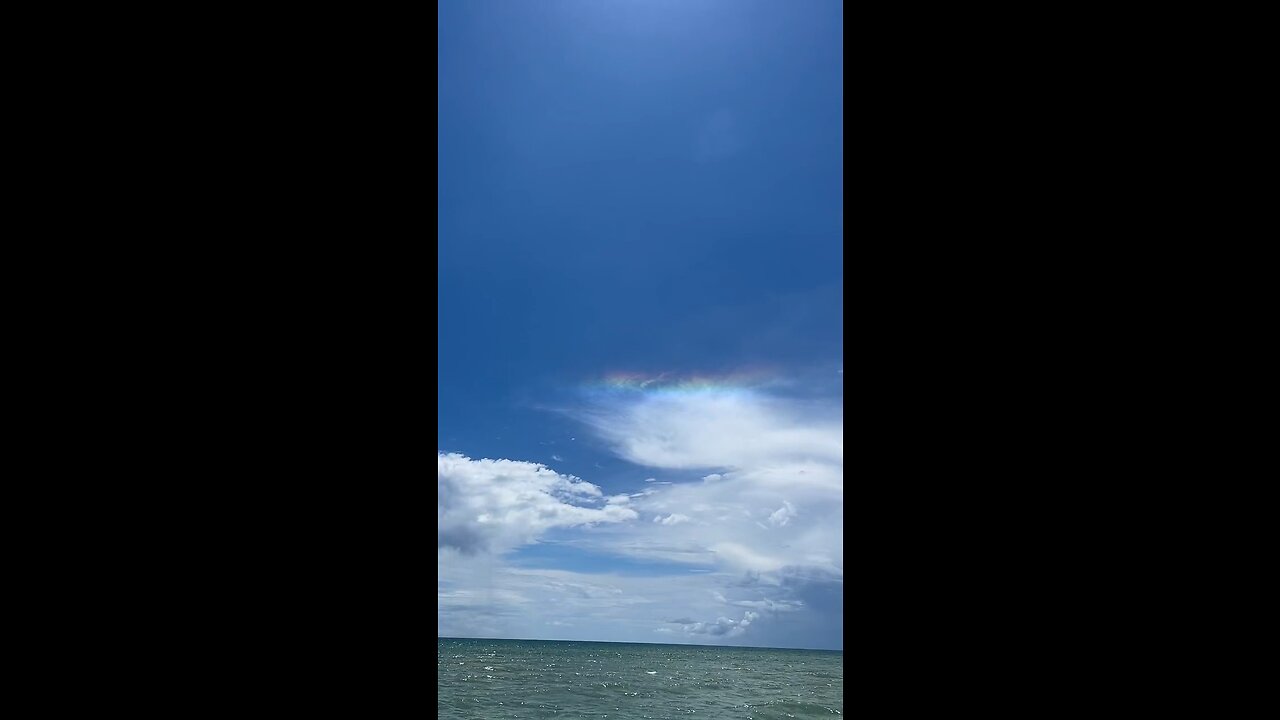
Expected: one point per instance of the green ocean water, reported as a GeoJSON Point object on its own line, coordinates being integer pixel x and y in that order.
{"type": "Point", "coordinates": [486, 679]}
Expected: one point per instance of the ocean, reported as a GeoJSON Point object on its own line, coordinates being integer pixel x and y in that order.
{"type": "Point", "coordinates": [486, 679]}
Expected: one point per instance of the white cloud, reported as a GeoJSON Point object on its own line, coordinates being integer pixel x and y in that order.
{"type": "Point", "coordinates": [721, 429]}
{"type": "Point", "coordinates": [763, 528]}
{"type": "Point", "coordinates": [496, 505]}
{"type": "Point", "coordinates": [723, 626]}
{"type": "Point", "coordinates": [584, 589]}
{"type": "Point", "coordinates": [766, 604]}
{"type": "Point", "coordinates": [671, 519]}
{"type": "Point", "coordinates": [782, 515]}
{"type": "Point", "coordinates": [744, 558]}
{"type": "Point", "coordinates": [776, 460]}
{"type": "Point", "coordinates": [481, 596]}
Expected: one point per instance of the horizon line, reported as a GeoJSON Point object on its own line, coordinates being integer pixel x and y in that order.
{"type": "Point", "coordinates": [623, 642]}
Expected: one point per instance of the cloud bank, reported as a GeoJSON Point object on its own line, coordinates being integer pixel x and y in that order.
{"type": "Point", "coordinates": [752, 536]}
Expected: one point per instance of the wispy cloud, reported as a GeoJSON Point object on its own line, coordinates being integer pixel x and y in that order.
{"type": "Point", "coordinates": [719, 429]}
{"type": "Point", "coordinates": [671, 519]}
{"type": "Point", "coordinates": [782, 515]}
{"type": "Point", "coordinates": [776, 459]}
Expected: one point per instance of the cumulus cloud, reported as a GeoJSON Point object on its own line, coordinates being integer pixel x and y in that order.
{"type": "Point", "coordinates": [723, 626]}
{"type": "Point", "coordinates": [495, 505]}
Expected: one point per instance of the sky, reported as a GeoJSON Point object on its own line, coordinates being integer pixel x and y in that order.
{"type": "Point", "coordinates": [640, 321]}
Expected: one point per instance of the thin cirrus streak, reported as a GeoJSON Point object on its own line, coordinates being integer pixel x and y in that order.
{"type": "Point", "coordinates": [676, 383]}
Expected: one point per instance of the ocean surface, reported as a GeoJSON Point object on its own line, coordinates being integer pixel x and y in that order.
{"type": "Point", "coordinates": [486, 679]}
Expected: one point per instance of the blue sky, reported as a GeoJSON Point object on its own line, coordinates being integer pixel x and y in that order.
{"type": "Point", "coordinates": [640, 320]}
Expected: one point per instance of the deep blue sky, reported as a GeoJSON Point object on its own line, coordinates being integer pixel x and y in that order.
{"type": "Point", "coordinates": [647, 186]}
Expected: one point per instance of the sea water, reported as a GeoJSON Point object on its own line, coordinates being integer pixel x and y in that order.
{"type": "Point", "coordinates": [486, 679]}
